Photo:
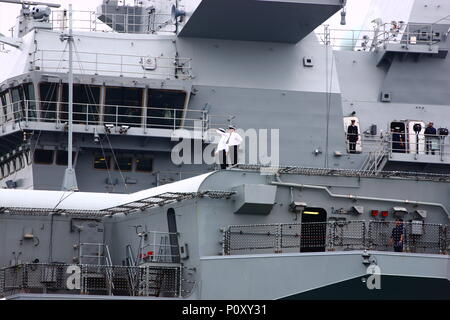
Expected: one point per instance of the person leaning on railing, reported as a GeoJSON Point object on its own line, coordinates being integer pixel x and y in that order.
{"type": "Point", "coordinates": [430, 135]}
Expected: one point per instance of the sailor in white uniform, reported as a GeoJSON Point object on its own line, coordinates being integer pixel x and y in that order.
{"type": "Point", "coordinates": [222, 148]}
{"type": "Point", "coordinates": [233, 142]}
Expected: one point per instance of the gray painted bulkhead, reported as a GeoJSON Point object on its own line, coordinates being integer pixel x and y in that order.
{"type": "Point", "coordinates": [199, 222]}
{"type": "Point", "coordinates": [276, 91]}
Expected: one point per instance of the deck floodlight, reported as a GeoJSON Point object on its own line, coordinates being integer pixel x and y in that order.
{"type": "Point", "coordinates": [297, 207]}
{"type": "Point", "coordinates": [399, 211]}
{"type": "Point", "coordinates": [108, 127]}
{"type": "Point", "coordinates": [422, 213]}
{"type": "Point", "coordinates": [357, 210]}
{"type": "Point", "coordinates": [124, 129]}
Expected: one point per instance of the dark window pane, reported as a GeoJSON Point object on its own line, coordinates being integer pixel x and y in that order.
{"type": "Point", "coordinates": [144, 164]}
{"type": "Point", "coordinates": [86, 100]}
{"type": "Point", "coordinates": [31, 100]}
{"type": "Point", "coordinates": [62, 157]}
{"type": "Point", "coordinates": [18, 103]}
{"type": "Point", "coordinates": [123, 106]}
{"type": "Point", "coordinates": [19, 162]}
{"type": "Point", "coordinates": [123, 164]}
{"type": "Point", "coordinates": [49, 95]}
{"type": "Point", "coordinates": [4, 103]}
{"type": "Point", "coordinates": [101, 162]}
{"type": "Point", "coordinates": [43, 156]}
{"type": "Point", "coordinates": [165, 108]}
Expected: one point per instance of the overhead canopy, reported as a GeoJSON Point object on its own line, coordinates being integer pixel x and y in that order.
{"type": "Point", "coordinates": [258, 20]}
{"type": "Point", "coordinates": [11, 198]}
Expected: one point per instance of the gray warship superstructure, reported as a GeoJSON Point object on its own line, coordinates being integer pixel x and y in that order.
{"type": "Point", "coordinates": [307, 218]}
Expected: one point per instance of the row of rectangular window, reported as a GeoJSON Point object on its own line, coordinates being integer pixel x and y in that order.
{"type": "Point", "coordinates": [122, 105]}
{"type": "Point", "coordinates": [122, 163]}
{"type": "Point", "coordinates": [16, 163]}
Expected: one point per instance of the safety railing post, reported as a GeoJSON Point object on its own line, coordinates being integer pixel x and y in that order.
{"type": "Point", "coordinates": [174, 119]}
{"type": "Point", "coordinates": [26, 112]}
{"type": "Point", "coordinates": [117, 116]}
{"type": "Point", "coordinates": [96, 63]}
{"type": "Point", "coordinates": [121, 66]}
{"type": "Point", "coordinates": [87, 115]}
{"type": "Point", "coordinates": [154, 245]}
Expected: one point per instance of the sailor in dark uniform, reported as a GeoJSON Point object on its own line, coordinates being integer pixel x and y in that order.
{"type": "Point", "coordinates": [222, 148]}
{"type": "Point", "coordinates": [352, 136]}
{"type": "Point", "coordinates": [430, 135]}
{"type": "Point", "coordinates": [398, 141]}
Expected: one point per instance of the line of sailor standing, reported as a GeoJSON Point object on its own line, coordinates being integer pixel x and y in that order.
{"type": "Point", "coordinates": [228, 146]}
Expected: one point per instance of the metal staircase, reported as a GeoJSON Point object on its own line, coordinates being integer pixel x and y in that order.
{"type": "Point", "coordinates": [98, 277]}
{"type": "Point", "coordinates": [376, 160]}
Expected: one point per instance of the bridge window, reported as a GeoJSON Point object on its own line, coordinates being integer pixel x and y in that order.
{"type": "Point", "coordinates": [124, 163]}
{"type": "Point", "coordinates": [123, 106]}
{"type": "Point", "coordinates": [86, 100]}
{"type": "Point", "coordinates": [43, 156]}
{"type": "Point", "coordinates": [4, 102]}
{"type": "Point", "coordinates": [6, 168]}
{"type": "Point", "coordinates": [102, 162]}
{"type": "Point", "coordinates": [18, 102]}
{"type": "Point", "coordinates": [49, 98]}
{"type": "Point", "coordinates": [144, 164]}
{"type": "Point", "coordinates": [165, 108]}
{"type": "Point", "coordinates": [30, 104]}
{"type": "Point", "coordinates": [62, 157]}
{"type": "Point", "coordinates": [27, 157]}
{"type": "Point", "coordinates": [19, 162]}
{"type": "Point", "coordinates": [12, 165]}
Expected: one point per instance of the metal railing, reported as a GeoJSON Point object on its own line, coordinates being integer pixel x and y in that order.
{"type": "Point", "coordinates": [294, 237]}
{"type": "Point", "coordinates": [84, 20]}
{"type": "Point", "coordinates": [113, 64]}
{"type": "Point", "coordinates": [98, 253]}
{"type": "Point", "coordinates": [380, 36]}
{"type": "Point", "coordinates": [394, 142]}
{"type": "Point", "coordinates": [156, 281]}
{"type": "Point", "coordinates": [376, 159]}
{"type": "Point", "coordinates": [418, 144]}
{"type": "Point", "coordinates": [333, 236]}
{"type": "Point", "coordinates": [117, 115]}
{"type": "Point", "coordinates": [158, 248]}
{"type": "Point", "coordinates": [416, 236]}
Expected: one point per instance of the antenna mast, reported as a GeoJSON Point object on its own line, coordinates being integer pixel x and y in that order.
{"type": "Point", "coordinates": [70, 179]}
{"type": "Point", "coordinates": [32, 3]}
